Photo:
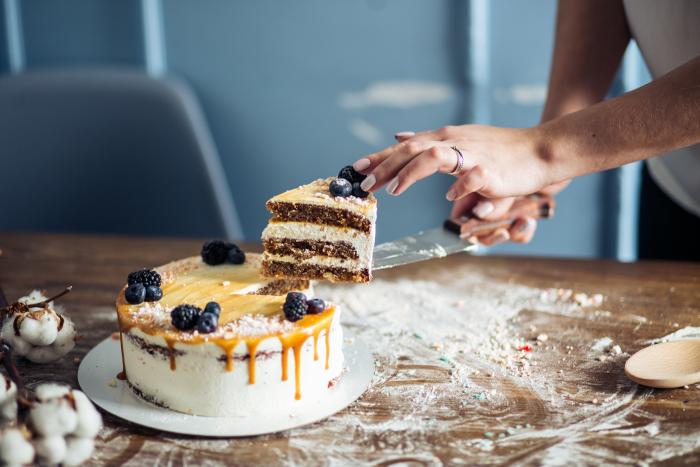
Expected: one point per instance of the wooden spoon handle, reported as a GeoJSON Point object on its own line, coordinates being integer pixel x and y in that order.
{"type": "Point", "coordinates": [534, 206]}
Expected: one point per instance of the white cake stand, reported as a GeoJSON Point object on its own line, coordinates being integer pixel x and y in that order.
{"type": "Point", "coordinates": [97, 378]}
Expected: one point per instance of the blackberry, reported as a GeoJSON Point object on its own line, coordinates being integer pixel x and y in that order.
{"type": "Point", "coordinates": [358, 192]}
{"type": "Point", "coordinates": [184, 317]}
{"type": "Point", "coordinates": [153, 293]}
{"type": "Point", "coordinates": [340, 187]}
{"type": "Point", "coordinates": [135, 294]}
{"type": "Point", "coordinates": [235, 255]}
{"type": "Point", "coordinates": [146, 277]}
{"type": "Point", "coordinates": [212, 307]}
{"type": "Point", "coordinates": [294, 309]}
{"type": "Point", "coordinates": [214, 252]}
{"type": "Point", "coordinates": [207, 322]}
{"type": "Point", "coordinates": [295, 296]}
{"type": "Point", "coordinates": [351, 175]}
{"type": "Point", "coordinates": [315, 306]}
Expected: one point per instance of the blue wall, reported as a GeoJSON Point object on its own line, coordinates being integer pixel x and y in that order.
{"type": "Point", "coordinates": [294, 90]}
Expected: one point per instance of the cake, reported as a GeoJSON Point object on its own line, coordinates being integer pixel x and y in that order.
{"type": "Point", "coordinates": [315, 235]}
{"type": "Point", "coordinates": [254, 360]}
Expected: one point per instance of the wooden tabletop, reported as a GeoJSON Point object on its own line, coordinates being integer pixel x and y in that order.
{"type": "Point", "coordinates": [461, 377]}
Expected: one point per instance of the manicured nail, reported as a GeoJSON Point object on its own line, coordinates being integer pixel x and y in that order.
{"type": "Point", "coordinates": [451, 195]}
{"type": "Point", "coordinates": [483, 208]}
{"type": "Point", "coordinates": [393, 184]}
{"type": "Point", "coordinates": [524, 224]}
{"type": "Point", "coordinates": [403, 134]}
{"type": "Point", "coordinates": [361, 164]}
{"type": "Point", "coordinates": [368, 182]}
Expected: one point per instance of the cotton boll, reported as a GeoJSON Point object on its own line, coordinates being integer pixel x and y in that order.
{"type": "Point", "coordinates": [47, 391]}
{"type": "Point", "coordinates": [79, 450]}
{"type": "Point", "coordinates": [53, 418]}
{"type": "Point", "coordinates": [14, 448]}
{"type": "Point", "coordinates": [39, 330]}
{"type": "Point", "coordinates": [34, 297]}
{"type": "Point", "coordinates": [89, 419]}
{"type": "Point", "coordinates": [8, 399]}
{"type": "Point", "coordinates": [19, 346]}
{"type": "Point", "coordinates": [51, 450]}
{"type": "Point", "coordinates": [43, 354]}
{"type": "Point", "coordinates": [66, 336]}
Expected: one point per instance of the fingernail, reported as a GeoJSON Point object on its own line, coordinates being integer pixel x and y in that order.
{"type": "Point", "coordinates": [361, 164]}
{"type": "Point", "coordinates": [393, 184]}
{"type": "Point", "coordinates": [403, 134]}
{"type": "Point", "coordinates": [502, 235]}
{"type": "Point", "coordinates": [368, 182]}
{"type": "Point", "coordinates": [483, 208]}
{"type": "Point", "coordinates": [523, 224]}
{"type": "Point", "coordinates": [451, 195]}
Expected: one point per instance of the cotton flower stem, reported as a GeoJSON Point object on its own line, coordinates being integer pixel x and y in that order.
{"type": "Point", "coordinates": [50, 299]}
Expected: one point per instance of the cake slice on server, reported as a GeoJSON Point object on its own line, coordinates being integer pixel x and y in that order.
{"type": "Point", "coordinates": [323, 230]}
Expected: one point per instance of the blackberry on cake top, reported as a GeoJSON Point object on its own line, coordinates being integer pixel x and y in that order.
{"type": "Point", "coordinates": [184, 317]}
{"type": "Point", "coordinates": [145, 277]}
{"type": "Point", "coordinates": [351, 175]}
{"type": "Point", "coordinates": [294, 306]}
{"type": "Point", "coordinates": [215, 252]}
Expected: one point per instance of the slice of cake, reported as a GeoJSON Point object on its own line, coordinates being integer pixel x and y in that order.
{"type": "Point", "coordinates": [217, 339]}
{"type": "Point", "coordinates": [323, 230]}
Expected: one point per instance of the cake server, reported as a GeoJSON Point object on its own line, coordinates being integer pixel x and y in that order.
{"type": "Point", "coordinates": [455, 235]}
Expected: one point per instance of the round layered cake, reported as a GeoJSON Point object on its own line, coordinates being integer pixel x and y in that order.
{"type": "Point", "coordinates": [255, 360]}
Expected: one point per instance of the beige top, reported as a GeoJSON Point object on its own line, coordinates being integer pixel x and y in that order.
{"type": "Point", "coordinates": [668, 34]}
{"type": "Point", "coordinates": [317, 193]}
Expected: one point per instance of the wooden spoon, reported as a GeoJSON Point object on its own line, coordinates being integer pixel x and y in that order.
{"type": "Point", "coordinates": [668, 365]}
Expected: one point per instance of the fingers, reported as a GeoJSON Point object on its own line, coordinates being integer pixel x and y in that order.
{"type": "Point", "coordinates": [464, 206]}
{"type": "Point", "coordinates": [523, 230]}
{"type": "Point", "coordinates": [368, 163]}
{"type": "Point", "coordinates": [471, 181]}
{"type": "Point", "coordinates": [436, 158]}
{"type": "Point", "coordinates": [404, 135]}
{"type": "Point", "coordinates": [499, 236]}
{"type": "Point", "coordinates": [492, 209]}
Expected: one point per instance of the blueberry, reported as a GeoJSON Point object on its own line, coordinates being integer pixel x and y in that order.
{"type": "Point", "coordinates": [207, 322]}
{"type": "Point", "coordinates": [212, 307]}
{"type": "Point", "coordinates": [135, 293]}
{"type": "Point", "coordinates": [340, 187]}
{"type": "Point", "coordinates": [153, 293]}
{"type": "Point", "coordinates": [358, 192]}
{"type": "Point", "coordinates": [184, 317]}
{"type": "Point", "coordinates": [235, 255]}
{"type": "Point", "coordinates": [315, 306]}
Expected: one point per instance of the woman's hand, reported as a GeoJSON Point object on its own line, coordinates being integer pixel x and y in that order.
{"type": "Point", "coordinates": [498, 162]}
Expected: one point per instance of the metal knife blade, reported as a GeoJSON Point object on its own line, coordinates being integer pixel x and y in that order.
{"type": "Point", "coordinates": [427, 244]}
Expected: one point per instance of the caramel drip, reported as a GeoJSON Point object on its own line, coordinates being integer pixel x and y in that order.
{"type": "Point", "coordinates": [121, 376]}
{"type": "Point", "coordinates": [252, 347]}
{"type": "Point", "coordinates": [297, 370]}
{"type": "Point", "coordinates": [171, 352]}
{"type": "Point", "coordinates": [285, 357]}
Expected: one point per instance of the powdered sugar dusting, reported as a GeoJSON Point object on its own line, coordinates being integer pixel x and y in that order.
{"type": "Point", "coordinates": [255, 325]}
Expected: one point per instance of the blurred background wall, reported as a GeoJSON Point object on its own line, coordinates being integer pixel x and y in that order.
{"type": "Point", "coordinates": [292, 91]}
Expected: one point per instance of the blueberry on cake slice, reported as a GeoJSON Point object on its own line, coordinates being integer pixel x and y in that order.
{"type": "Point", "coordinates": [323, 230]}
{"type": "Point", "coordinates": [214, 338]}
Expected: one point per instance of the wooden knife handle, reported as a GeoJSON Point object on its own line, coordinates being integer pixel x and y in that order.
{"type": "Point", "coordinates": [534, 206]}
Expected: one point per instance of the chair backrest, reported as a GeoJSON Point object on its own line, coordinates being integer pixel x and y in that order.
{"type": "Point", "coordinates": [109, 151]}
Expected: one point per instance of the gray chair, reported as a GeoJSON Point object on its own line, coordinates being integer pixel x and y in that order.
{"type": "Point", "coordinates": [109, 150]}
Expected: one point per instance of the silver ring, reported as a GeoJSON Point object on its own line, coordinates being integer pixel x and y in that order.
{"type": "Point", "coordinates": [460, 161]}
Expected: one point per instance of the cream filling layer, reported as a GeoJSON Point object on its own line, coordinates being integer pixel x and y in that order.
{"type": "Point", "coordinates": [362, 243]}
{"type": "Point", "coordinates": [323, 261]}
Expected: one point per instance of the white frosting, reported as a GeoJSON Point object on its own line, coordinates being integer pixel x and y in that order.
{"type": "Point", "coordinates": [328, 261]}
{"type": "Point", "coordinates": [363, 243]}
{"type": "Point", "coordinates": [201, 385]}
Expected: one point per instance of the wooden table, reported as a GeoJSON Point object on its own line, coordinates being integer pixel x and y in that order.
{"type": "Point", "coordinates": [446, 391]}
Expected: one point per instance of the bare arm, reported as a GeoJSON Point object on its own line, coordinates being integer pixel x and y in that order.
{"type": "Point", "coordinates": [591, 37]}
{"type": "Point", "coordinates": [662, 116]}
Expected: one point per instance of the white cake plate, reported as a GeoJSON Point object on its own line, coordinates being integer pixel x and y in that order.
{"type": "Point", "coordinates": [97, 377]}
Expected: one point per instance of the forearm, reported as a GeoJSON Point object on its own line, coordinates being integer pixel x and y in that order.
{"type": "Point", "coordinates": [591, 37]}
{"type": "Point", "coordinates": [662, 116]}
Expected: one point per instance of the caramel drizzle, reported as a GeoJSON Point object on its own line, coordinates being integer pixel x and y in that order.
{"type": "Point", "coordinates": [294, 341]}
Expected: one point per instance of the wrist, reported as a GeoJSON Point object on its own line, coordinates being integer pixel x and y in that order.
{"type": "Point", "coordinates": [541, 149]}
